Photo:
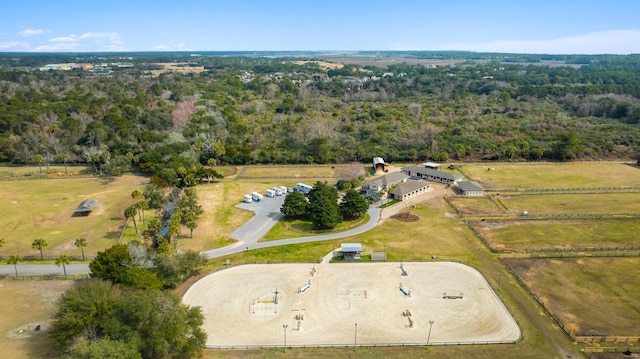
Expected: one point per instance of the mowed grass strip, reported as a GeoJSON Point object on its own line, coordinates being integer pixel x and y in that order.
{"type": "Point", "coordinates": [44, 209]}
{"type": "Point", "coordinates": [574, 203]}
{"type": "Point", "coordinates": [521, 235]}
{"type": "Point", "coordinates": [590, 296]}
{"type": "Point", "coordinates": [16, 172]}
{"type": "Point", "coordinates": [553, 175]}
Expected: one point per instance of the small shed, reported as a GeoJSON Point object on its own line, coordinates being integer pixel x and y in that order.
{"type": "Point", "coordinates": [379, 165]}
{"type": "Point", "coordinates": [470, 188]}
{"type": "Point", "coordinates": [85, 207]}
{"type": "Point", "coordinates": [351, 251]}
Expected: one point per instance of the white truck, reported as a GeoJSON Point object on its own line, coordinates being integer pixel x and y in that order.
{"type": "Point", "coordinates": [256, 196]}
{"type": "Point", "coordinates": [304, 188]}
{"type": "Point", "coordinates": [248, 198]}
{"type": "Point", "coordinates": [270, 193]}
{"type": "Point", "coordinates": [283, 189]}
{"type": "Point", "coordinates": [277, 191]}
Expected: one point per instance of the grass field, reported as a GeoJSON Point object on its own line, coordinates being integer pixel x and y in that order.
{"type": "Point", "coordinates": [26, 304]}
{"type": "Point", "coordinates": [574, 203]}
{"type": "Point", "coordinates": [44, 208]}
{"type": "Point", "coordinates": [520, 235]}
{"type": "Point", "coordinates": [554, 175]}
{"type": "Point", "coordinates": [17, 172]}
{"type": "Point", "coordinates": [308, 173]}
{"type": "Point", "coordinates": [591, 296]}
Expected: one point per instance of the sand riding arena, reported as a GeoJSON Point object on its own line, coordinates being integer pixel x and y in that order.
{"type": "Point", "coordinates": [367, 304]}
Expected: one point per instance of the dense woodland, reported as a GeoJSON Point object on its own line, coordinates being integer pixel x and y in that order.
{"type": "Point", "coordinates": [246, 109]}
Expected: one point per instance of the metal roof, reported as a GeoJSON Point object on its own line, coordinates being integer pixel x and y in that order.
{"type": "Point", "coordinates": [390, 178]}
{"type": "Point", "coordinates": [433, 173]}
{"type": "Point", "coordinates": [470, 186]}
{"type": "Point", "coordinates": [86, 206]}
{"type": "Point", "coordinates": [408, 187]}
{"type": "Point", "coordinates": [351, 247]}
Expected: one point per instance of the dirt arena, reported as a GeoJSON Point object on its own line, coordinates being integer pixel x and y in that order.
{"type": "Point", "coordinates": [240, 310]}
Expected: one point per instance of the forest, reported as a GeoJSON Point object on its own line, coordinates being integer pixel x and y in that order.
{"type": "Point", "coordinates": [305, 108]}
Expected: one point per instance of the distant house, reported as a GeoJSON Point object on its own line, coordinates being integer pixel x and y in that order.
{"type": "Point", "coordinates": [409, 189]}
{"type": "Point", "coordinates": [376, 188]}
{"type": "Point", "coordinates": [431, 174]}
{"type": "Point", "coordinates": [379, 165]}
{"type": "Point", "coordinates": [85, 207]}
{"type": "Point", "coordinates": [351, 251]}
{"type": "Point", "coordinates": [470, 188]}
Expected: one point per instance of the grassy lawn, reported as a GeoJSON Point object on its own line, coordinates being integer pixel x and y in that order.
{"type": "Point", "coordinates": [520, 235]}
{"type": "Point", "coordinates": [25, 304]}
{"type": "Point", "coordinates": [290, 228]}
{"type": "Point", "coordinates": [574, 203]}
{"type": "Point", "coordinates": [591, 296]}
{"type": "Point", "coordinates": [307, 173]}
{"type": "Point", "coordinates": [554, 175]}
{"type": "Point", "coordinates": [44, 208]}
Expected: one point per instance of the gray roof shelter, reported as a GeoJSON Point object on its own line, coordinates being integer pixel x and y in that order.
{"type": "Point", "coordinates": [85, 207]}
{"type": "Point", "coordinates": [409, 189]}
{"type": "Point", "coordinates": [431, 174]}
{"type": "Point", "coordinates": [351, 251]}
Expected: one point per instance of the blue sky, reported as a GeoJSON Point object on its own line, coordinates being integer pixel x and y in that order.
{"type": "Point", "coordinates": [542, 26]}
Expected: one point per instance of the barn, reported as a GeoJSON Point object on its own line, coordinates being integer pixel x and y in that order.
{"type": "Point", "coordinates": [379, 165]}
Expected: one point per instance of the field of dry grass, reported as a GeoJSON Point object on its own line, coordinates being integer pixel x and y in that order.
{"type": "Point", "coordinates": [554, 175]}
{"type": "Point", "coordinates": [44, 208]}
{"type": "Point", "coordinates": [590, 296]}
{"type": "Point", "coordinates": [26, 304]}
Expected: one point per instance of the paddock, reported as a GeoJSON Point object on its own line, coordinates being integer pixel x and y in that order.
{"type": "Point", "coordinates": [352, 303]}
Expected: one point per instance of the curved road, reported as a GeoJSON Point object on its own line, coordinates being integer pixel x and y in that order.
{"type": "Point", "coordinates": [247, 237]}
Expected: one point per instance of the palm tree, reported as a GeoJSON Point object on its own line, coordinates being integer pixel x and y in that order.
{"type": "Point", "coordinates": [81, 243]}
{"type": "Point", "coordinates": [137, 196]}
{"type": "Point", "coordinates": [63, 260]}
{"type": "Point", "coordinates": [39, 243]}
{"type": "Point", "coordinates": [192, 225]}
{"type": "Point", "coordinates": [130, 212]}
{"type": "Point", "coordinates": [65, 157]}
{"type": "Point", "coordinates": [142, 206]}
{"type": "Point", "coordinates": [14, 259]}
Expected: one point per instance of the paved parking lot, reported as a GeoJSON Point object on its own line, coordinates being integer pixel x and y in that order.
{"type": "Point", "coordinates": [267, 214]}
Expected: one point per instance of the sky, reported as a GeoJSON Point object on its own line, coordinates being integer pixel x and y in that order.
{"type": "Point", "coordinates": [514, 26]}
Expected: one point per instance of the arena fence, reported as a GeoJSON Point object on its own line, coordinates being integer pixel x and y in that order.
{"type": "Point", "coordinates": [354, 345]}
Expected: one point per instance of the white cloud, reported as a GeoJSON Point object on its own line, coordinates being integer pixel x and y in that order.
{"type": "Point", "coordinates": [89, 41]}
{"type": "Point", "coordinates": [14, 46]}
{"type": "Point", "coordinates": [171, 47]}
{"type": "Point", "coordinates": [31, 32]}
{"type": "Point", "coordinates": [604, 42]}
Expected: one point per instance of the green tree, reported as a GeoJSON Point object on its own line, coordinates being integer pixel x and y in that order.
{"type": "Point", "coordinates": [111, 264]}
{"type": "Point", "coordinates": [154, 196]}
{"type": "Point", "coordinates": [14, 259]}
{"type": "Point", "coordinates": [38, 159]}
{"type": "Point", "coordinates": [137, 196]}
{"type": "Point", "coordinates": [63, 260]}
{"type": "Point", "coordinates": [323, 209]}
{"type": "Point", "coordinates": [103, 348]}
{"type": "Point", "coordinates": [353, 205]}
{"type": "Point", "coordinates": [162, 326]}
{"type": "Point", "coordinates": [295, 205]}
{"type": "Point", "coordinates": [173, 270]}
{"type": "Point", "coordinates": [141, 278]}
{"type": "Point", "coordinates": [86, 310]}
{"type": "Point", "coordinates": [153, 228]}
{"type": "Point", "coordinates": [130, 212]}
{"type": "Point", "coordinates": [81, 243]}
{"type": "Point", "coordinates": [38, 244]}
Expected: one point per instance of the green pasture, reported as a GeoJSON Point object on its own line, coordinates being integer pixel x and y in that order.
{"type": "Point", "coordinates": [521, 235]}
{"type": "Point", "coordinates": [574, 203]}
{"type": "Point", "coordinates": [44, 209]}
{"type": "Point", "coordinates": [553, 175]}
{"type": "Point", "coordinates": [591, 296]}
{"type": "Point", "coordinates": [310, 171]}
